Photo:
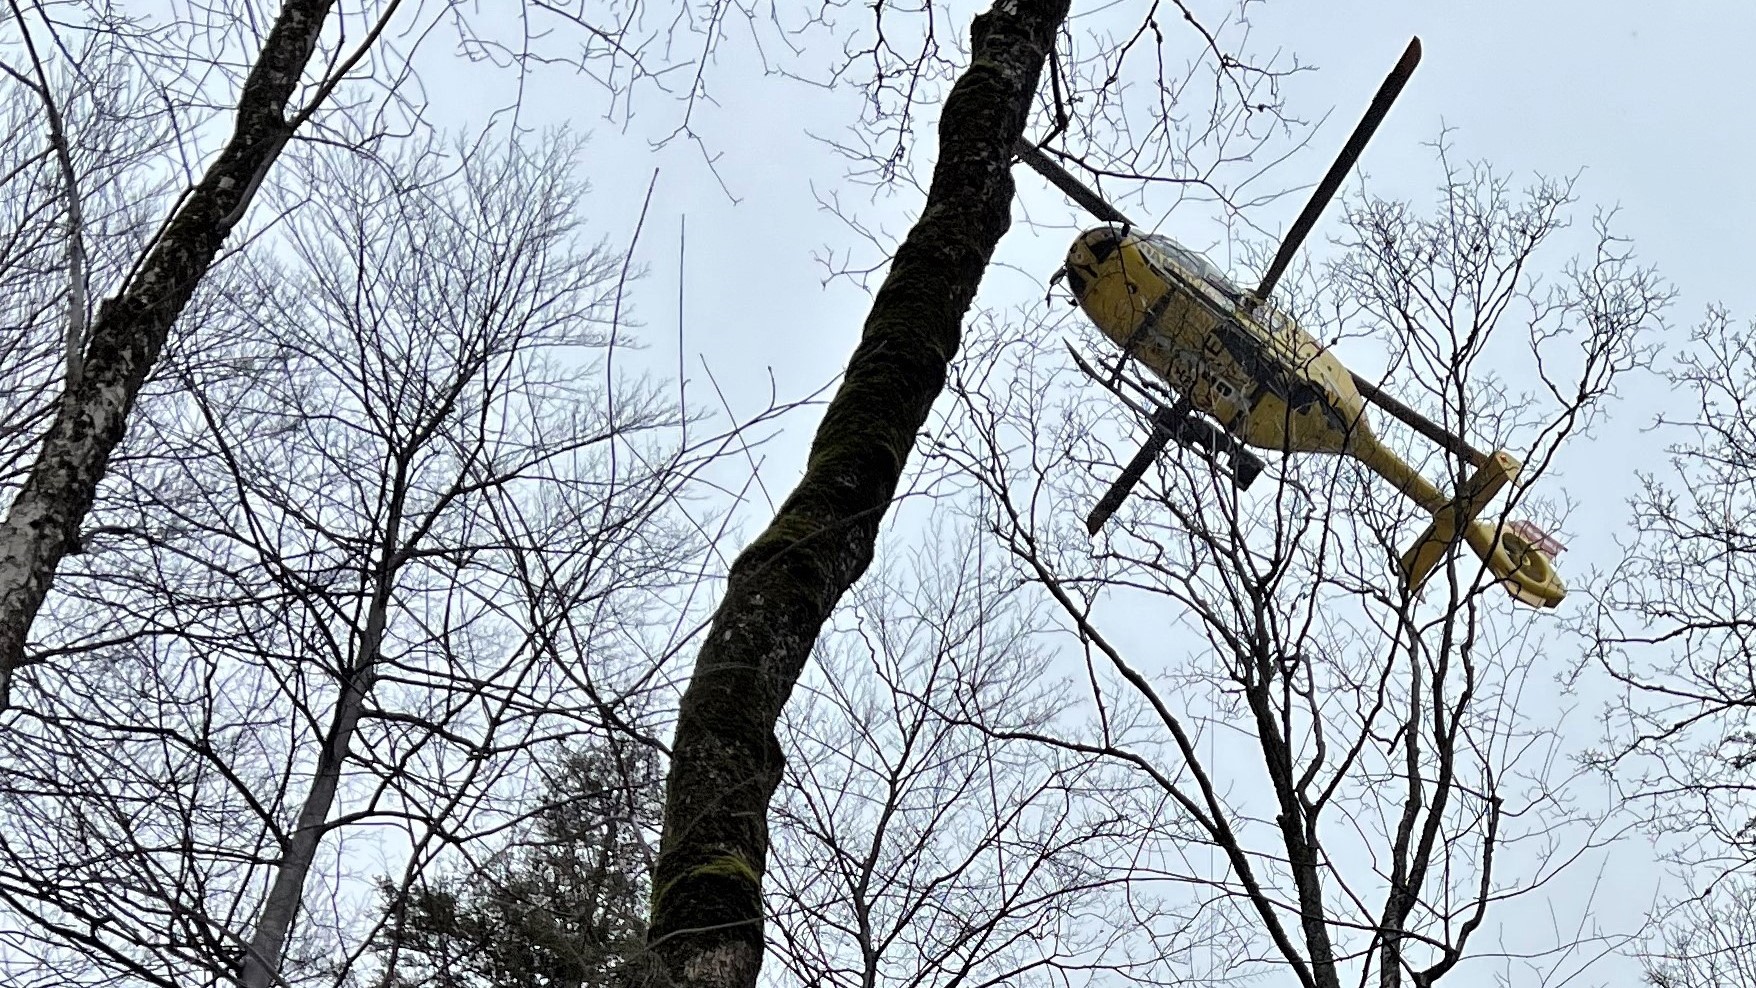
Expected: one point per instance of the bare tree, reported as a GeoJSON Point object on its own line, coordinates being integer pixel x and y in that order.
{"type": "Point", "coordinates": [77, 205]}
{"type": "Point", "coordinates": [1673, 629]}
{"type": "Point", "coordinates": [108, 361]}
{"type": "Point", "coordinates": [1672, 624]}
{"type": "Point", "coordinates": [394, 530]}
{"type": "Point", "coordinates": [1707, 940]}
{"type": "Point", "coordinates": [210, 100]}
{"type": "Point", "coordinates": [1369, 764]}
{"type": "Point", "coordinates": [861, 451]}
{"type": "Point", "coordinates": [914, 848]}
{"type": "Point", "coordinates": [707, 911]}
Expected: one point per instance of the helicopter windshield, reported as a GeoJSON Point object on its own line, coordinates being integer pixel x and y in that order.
{"type": "Point", "coordinates": [1195, 262]}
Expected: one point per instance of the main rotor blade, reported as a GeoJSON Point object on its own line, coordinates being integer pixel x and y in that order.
{"type": "Point", "coordinates": [1062, 179]}
{"type": "Point", "coordinates": [1344, 162]}
{"type": "Point", "coordinates": [1420, 423]}
{"type": "Point", "coordinates": [1178, 422]}
{"type": "Point", "coordinates": [1124, 485]}
{"type": "Point", "coordinates": [1165, 422]}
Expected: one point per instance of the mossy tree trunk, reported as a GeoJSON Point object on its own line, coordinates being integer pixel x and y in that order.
{"type": "Point", "coordinates": [706, 927]}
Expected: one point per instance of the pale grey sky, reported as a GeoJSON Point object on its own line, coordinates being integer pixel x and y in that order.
{"type": "Point", "coordinates": [1648, 108]}
{"type": "Point", "coordinates": [1649, 103]}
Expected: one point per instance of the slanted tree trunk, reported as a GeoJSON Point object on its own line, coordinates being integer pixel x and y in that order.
{"type": "Point", "coordinates": [706, 925]}
{"type": "Point", "coordinates": [131, 328]}
{"type": "Point", "coordinates": [262, 963]}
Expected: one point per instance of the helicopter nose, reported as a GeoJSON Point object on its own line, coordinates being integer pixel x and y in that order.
{"type": "Point", "coordinates": [1102, 242]}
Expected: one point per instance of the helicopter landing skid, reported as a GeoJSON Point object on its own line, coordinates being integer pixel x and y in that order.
{"type": "Point", "coordinates": [1179, 423]}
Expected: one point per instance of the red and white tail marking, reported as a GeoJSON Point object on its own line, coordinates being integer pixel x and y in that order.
{"type": "Point", "coordinates": [1539, 540]}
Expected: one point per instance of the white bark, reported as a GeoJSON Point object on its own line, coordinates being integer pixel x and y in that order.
{"type": "Point", "coordinates": [262, 962]}
{"type": "Point", "coordinates": [124, 342]}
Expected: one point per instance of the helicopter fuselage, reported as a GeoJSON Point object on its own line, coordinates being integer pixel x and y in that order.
{"type": "Point", "coordinates": [1252, 370]}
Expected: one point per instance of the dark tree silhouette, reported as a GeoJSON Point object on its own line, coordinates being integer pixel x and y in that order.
{"type": "Point", "coordinates": [562, 907]}
{"type": "Point", "coordinates": [707, 914]}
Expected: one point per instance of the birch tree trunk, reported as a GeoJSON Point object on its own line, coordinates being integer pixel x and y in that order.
{"type": "Point", "coordinates": [268, 940]}
{"type": "Point", "coordinates": [706, 924]}
{"type": "Point", "coordinates": [380, 551]}
{"type": "Point", "coordinates": [131, 328]}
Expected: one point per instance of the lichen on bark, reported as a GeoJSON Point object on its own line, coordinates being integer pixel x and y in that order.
{"type": "Point", "coordinates": [706, 925]}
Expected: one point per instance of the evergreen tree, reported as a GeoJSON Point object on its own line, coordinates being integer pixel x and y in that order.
{"type": "Point", "coordinates": [562, 907]}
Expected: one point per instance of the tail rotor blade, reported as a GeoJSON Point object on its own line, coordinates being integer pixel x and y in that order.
{"type": "Point", "coordinates": [1344, 162]}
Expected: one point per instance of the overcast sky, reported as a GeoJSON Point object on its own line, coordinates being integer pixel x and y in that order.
{"type": "Point", "coordinates": [1647, 103]}
{"type": "Point", "coordinates": [1649, 110]}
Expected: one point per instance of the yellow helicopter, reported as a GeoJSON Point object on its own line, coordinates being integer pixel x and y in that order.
{"type": "Point", "coordinates": [1248, 367]}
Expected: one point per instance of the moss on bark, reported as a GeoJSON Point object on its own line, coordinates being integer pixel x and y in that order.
{"type": "Point", "coordinates": [707, 913]}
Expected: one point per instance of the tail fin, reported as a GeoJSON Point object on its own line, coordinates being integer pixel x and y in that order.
{"type": "Point", "coordinates": [1518, 560]}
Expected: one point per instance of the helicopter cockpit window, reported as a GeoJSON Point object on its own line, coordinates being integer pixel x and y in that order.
{"type": "Point", "coordinates": [1206, 269]}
